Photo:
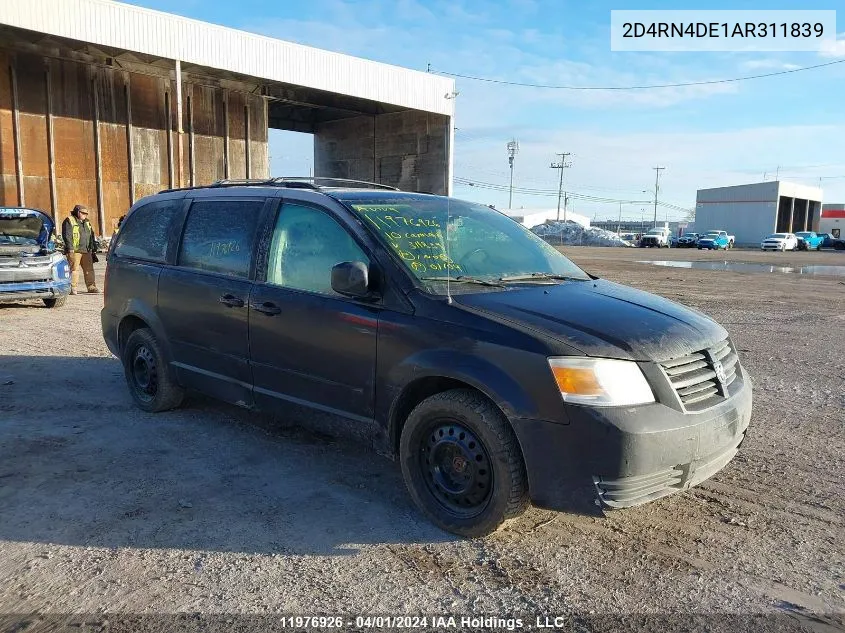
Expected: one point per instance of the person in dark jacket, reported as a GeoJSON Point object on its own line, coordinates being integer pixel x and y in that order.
{"type": "Point", "coordinates": [80, 248]}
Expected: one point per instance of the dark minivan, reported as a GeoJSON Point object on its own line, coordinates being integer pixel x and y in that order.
{"type": "Point", "coordinates": [444, 332]}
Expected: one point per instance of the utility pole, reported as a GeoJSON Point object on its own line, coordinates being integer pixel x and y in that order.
{"type": "Point", "coordinates": [513, 150]}
{"type": "Point", "coordinates": [657, 171]}
{"type": "Point", "coordinates": [619, 225]}
{"type": "Point", "coordinates": [561, 166]}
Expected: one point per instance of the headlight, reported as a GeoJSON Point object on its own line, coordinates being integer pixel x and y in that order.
{"type": "Point", "coordinates": [601, 382]}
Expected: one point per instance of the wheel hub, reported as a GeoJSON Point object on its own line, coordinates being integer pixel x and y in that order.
{"type": "Point", "coordinates": [457, 468]}
{"type": "Point", "coordinates": [144, 372]}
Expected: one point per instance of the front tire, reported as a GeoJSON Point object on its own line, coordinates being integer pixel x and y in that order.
{"type": "Point", "coordinates": [462, 464]}
{"type": "Point", "coordinates": [55, 302]}
{"type": "Point", "coordinates": [148, 374]}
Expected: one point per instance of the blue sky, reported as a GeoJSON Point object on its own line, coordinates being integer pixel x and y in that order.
{"type": "Point", "coordinates": [705, 136]}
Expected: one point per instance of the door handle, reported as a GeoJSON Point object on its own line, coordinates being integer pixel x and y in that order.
{"type": "Point", "coordinates": [270, 309]}
{"type": "Point", "coordinates": [231, 301]}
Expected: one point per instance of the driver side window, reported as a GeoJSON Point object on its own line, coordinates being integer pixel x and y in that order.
{"type": "Point", "coordinates": [306, 244]}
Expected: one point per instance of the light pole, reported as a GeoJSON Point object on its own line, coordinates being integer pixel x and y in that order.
{"type": "Point", "coordinates": [513, 150]}
{"type": "Point", "coordinates": [561, 166]}
{"type": "Point", "coordinates": [619, 225]}
{"type": "Point", "coordinates": [657, 171]}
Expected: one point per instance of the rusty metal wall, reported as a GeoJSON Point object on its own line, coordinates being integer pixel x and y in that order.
{"type": "Point", "coordinates": [113, 135]}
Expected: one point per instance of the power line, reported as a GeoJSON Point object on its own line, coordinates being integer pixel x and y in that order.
{"type": "Point", "coordinates": [554, 193]}
{"type": "Point", "coordinates": [640, 87]}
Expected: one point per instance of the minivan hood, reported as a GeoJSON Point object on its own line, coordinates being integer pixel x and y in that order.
{"type": "Point", "coordinates": [601, 318]}
{"type": "Point", "coordinates": [23, 230]}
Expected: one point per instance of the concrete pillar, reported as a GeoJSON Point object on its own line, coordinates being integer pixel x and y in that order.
{"type": "Point", "coordinates": [226, 134]}
{"type": "Point", "coordinates": [98, 159]}
{"type": "Point", "coordinates": [51, 150]}
{"type": "Point", "coordinates": [791, 213]}
{"type": "Point", "coordinates": [177, 72]}
{"type": "Point", "coordinates": [130, 147]}
{"type": "Point", "coordinates": [410, 150]}
{"type": "Point", "coordinates": [16, 132]}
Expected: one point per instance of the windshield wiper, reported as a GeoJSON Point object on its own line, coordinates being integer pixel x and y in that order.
{"type": "Point", "coordinates": [464, 279]}
{"type": "Point", "coordinates": [540, 277]}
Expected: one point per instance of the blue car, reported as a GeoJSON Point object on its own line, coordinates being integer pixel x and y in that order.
{"type": "Point", "coordinates": [30, 265]}
{"type": "Point", "coordinates": [715, 240]}
{"type": "Point", "coordinates": [809, 241]}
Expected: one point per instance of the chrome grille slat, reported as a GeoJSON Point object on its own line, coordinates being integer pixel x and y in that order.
{"type": "Point", "coordinates": [693, 377]}
{"type": "Point", "coordinates": [683, 361]}
{"type": "Point", "coordinates": [689, 391]}
{"type": "Point", "coordinates": [683, 369]}
{"type": "Point", "coordinates": [730, 360]}
{"type": "Point", "coordinates": [698, 376]}
{"type": "Point", "coordinates": [701, 395]}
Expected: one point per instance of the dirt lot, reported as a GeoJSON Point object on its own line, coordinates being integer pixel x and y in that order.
{"type": "Point", "coordinates": [211, 509]}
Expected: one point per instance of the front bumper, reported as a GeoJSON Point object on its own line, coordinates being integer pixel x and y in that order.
{"type": "Point", "coordinates": [627, 456]}
{"type": "Point", "coordinates": [22, 290]}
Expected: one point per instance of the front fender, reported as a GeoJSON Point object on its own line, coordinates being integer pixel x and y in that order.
{"type": "Point", "coordinates": [486, 376]}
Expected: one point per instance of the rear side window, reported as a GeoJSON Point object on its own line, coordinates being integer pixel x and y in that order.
{"type": "Point", "coordinates": [220, 236]}
{"type": "Point", "coordinates": [144, 234]}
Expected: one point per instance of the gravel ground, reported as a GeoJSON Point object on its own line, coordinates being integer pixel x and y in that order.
{"type": "Point", "coordinates": [211, 509]}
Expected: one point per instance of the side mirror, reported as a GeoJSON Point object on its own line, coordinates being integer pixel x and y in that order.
{"type": "Point", "coordinates": [351, 279]}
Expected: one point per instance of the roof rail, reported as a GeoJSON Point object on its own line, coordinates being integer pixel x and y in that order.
{"type": "Point", "coordinates": [311, 179]}
{"type": "Point", "coordinates": [294, 182]}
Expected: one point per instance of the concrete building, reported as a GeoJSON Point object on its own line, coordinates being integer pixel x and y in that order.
{"type": "Point", "coordinates": [751, 212]}
{"type": "Point", "coordinates": [833, 219]}
{"type": "Point", "coordinates": [102, 103]}
{"type": "Point", "coordinates": [533, 217]}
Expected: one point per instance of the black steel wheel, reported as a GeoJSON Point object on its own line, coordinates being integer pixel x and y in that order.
{"type": "Point", "coordinates": [147, 373]}
{"type": "Point", "coordinates": [457, 467]}
{"type": "Point", "coordinates": [144, 373]}
{"type": "Point", "coordinates": [462, 464]}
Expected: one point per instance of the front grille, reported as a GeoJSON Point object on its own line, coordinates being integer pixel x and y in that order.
{"type": "Point", "coordinates": [694, 377]}
{"type": "Point", "coordinates": [27, 281]}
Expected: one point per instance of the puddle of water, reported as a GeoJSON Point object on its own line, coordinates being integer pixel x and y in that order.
{"type": "Point", "coordinates": [744, 267]}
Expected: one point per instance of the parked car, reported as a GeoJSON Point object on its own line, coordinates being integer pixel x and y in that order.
{"type": "Point", "coordinates": [809, 241]}
{"type": "Point", "coordinates": [715, 240]}
{"type": "Point", "coordinates": [30, 265]}
{"type": "Point", "coordinates": [688, 240]}
{"type": "Point", "coordinates": [492, 367]}
{"type": "Point", "coordinates": [780, 242]}
{"type": "Point", "coordinates": [828, 241]}
{"type": "Point", "coordinates": [658, 236]}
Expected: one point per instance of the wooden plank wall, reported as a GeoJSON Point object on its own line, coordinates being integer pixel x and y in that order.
{"type": "Point", "coordinates": [99, 160]}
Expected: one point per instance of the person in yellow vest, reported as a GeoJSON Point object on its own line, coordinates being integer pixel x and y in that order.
{"type": "Point", "coordinates": [80, 248]}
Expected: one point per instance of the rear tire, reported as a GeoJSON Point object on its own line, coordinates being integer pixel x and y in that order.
{"type": "Point", "coordinates": [55, 302]}
{"type": "Point", "coordinates": [462, 464]}
{"type": "Point", "coordinates": [148, 373]}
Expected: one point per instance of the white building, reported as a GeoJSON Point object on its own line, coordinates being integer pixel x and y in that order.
{"type": "Point", "coordinates": [532, 217]}
{"type": "Point", "coordinates": [751, 212]}
{"type": "Point", "coordinates": [833, 219]}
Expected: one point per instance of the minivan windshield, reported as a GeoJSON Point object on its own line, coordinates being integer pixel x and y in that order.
{"type": "Point", "coordinates": [484, 248]}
